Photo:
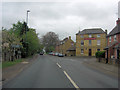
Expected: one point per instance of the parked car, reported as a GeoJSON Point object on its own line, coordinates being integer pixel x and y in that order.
{"type": "Point", "coordinates": [53, 54]}
{"type": "Point", "coordinates": [41, 53]}
{"type": "Point", "coordinates": [56, 54]}
{"type": "Point", "coordinates": [60, 55]}
{"type": "Point", "coordinates": [50, 53]}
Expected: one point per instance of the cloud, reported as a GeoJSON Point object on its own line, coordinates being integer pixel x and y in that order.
{"type": "Point", "coordinates": [64, 18]}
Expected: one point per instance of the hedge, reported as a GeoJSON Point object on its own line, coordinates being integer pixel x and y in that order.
{"type": "Point", "coordinates": [100, 54]}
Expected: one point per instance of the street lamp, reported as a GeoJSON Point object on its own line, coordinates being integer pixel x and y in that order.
{"type": "Point", "coordinates": [26, 44]}
{"type": "Point", "coordinates": [26, 25]}
{"type": "Point", "coordinates": [27, 16]}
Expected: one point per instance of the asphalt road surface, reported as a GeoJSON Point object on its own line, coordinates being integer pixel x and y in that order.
{"type": "Point", "coordinates": [61, 72]}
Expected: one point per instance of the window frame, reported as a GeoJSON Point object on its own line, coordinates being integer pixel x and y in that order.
{"type": "Point", "coordinates": [90, 41]}
{"type": "Point", "coordinates": [82, 51]}
{"type": "Point", "coordinates": [115, 38]}
{"type": "Point", "coordinates": [99, 42]}
{"type": "Point", "coordinates": [82, 42]}
{"type": "Point", "coordinates": [90, 35]}
{"type": "Point", "coordinates": [98, 35]}
{"type": "Point", "coordinates": [82, 36]}
{"type": "Point", "coordinates": [110, 39]}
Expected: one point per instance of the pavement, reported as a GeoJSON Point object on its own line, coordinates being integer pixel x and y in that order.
{"type": "Point", "coordinates": [110, 69]}
{"type": "Point", "coordinates": [10, 72]}
{"type": "Point", "coordinates": [65, 72]}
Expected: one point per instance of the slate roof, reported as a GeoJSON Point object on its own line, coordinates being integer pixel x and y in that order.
{"type": "Point", "coordinates": [91, 31]}
{"type": "Point", "coordinates": [115, 30]}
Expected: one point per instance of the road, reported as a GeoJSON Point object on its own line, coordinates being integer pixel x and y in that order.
{"type": "Point", "coordinates": [61, 72]}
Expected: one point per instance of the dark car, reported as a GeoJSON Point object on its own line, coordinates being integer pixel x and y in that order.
{"type": "Point", "coordinates": [41, 53]}
{"type": "Point", "coordinates": [60, 55]}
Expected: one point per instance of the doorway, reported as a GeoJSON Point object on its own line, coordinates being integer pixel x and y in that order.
{"type": "Point", "coordinates": [90, 52]}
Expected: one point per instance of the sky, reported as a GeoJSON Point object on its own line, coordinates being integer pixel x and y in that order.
{"type": "Point", "coordinates": [65, 18]}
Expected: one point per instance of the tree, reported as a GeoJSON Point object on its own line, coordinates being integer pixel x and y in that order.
{"type": "Point", "coordinates": [50, 40]}
{"type": "Point", "coordinates": [26, 36]}
{"type": "Point", "coordinates": [33, 43]}
{"type": "Point", "coordinates": [8, 40]}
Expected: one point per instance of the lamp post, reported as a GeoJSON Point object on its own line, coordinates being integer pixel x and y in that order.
{"type": "Point", "coordinates": [27, 16]}
{"type": "Point", "coordinates": [27, 20]}
{"type": "Point", "coordinates": [26, 44]}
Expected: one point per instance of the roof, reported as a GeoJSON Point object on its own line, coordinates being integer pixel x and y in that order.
{"type": "Point", "coordinates": [115, 30]}
{"type": "Point", "coordinates": [91, 31]}
{"type": "Point", "coordinates": [73, 48]}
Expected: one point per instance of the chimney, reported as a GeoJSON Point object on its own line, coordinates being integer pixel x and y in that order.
{"type": "Point", "coordinates": [118, 21]}
{"type": "Point", "coordinates": [69, 37]}
{"type": "Point", "coordinates": [106, 31]}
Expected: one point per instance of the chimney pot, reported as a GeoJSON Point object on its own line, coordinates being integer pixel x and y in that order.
{"type": "Point", "coordinates": [69, 37]}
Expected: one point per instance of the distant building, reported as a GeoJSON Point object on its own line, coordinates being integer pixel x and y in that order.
{"type": "Point", "coordinates": [113, 43]}
{"type": "Point", "coordinates": [89, 41]}
{"type": "Point", "coordinates": [66, 47]}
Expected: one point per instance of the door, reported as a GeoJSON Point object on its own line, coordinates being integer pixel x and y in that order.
{"type": "Point", "coordinates": [90, 52]}
{"type": "Point", "coordinates": [118, 53]}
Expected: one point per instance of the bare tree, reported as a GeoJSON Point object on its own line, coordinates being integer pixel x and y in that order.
{"type": "Point", "coordinates": [50, 40]}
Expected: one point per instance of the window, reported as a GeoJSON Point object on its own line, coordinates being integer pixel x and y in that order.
{"type": "Point", "coordinates": [82, 36]}
{"type": "Point", "coordinates": [109, 39]}
{"type": "Point", "coordinates": [98, 42]}
{"type": "Point", "coordinates": [114, 37]}
{"type": "Point", "coordinates": [82, 51]}
{"type": "Point", "coordinates": [90, 42]}
{"type": "Point", "coordinates": [98, 35]}
{"type": "Point", "coordinates": [98, 49]}
{"type": "Point", "coordinates": [72, 44]}
{"type": "Point", "coordinates": [90, 35]}
{"type": "Point", "coordinates": [82, 42]}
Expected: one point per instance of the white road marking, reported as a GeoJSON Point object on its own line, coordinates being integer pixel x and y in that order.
{"type": "Point", "coordinates": [25, 62]}
{"type": "Point", "coordinates": [71, 81]}
{"type": "Point", "coordinates": [58, 65]}
{"type": "Point", "coordinates": [71, 60]}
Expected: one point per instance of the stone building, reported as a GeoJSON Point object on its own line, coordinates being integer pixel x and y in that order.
{"type": "Point", "coordinates": [89, 41]}
{"type": "Point", "coordinates": [64, 46]}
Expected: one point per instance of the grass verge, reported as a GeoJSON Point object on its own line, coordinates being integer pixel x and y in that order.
{"type": "Point", "coordinates": [10, 63]}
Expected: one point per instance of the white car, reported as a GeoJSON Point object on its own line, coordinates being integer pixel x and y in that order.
{"type": "Point", "coordinates": [60, 55]}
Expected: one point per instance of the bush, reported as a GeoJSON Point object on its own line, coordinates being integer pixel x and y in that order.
{"type": "Point", "coordinates": [100, 54]}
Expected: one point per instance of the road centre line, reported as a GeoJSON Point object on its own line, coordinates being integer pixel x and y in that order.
{"type": "Point", "coordinates": [58, 65]}
{"type": "Point", "coordinates": [74, 84]}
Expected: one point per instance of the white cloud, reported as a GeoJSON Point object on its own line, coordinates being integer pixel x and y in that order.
{"type": "Point", "coordinates": [64, 18]}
